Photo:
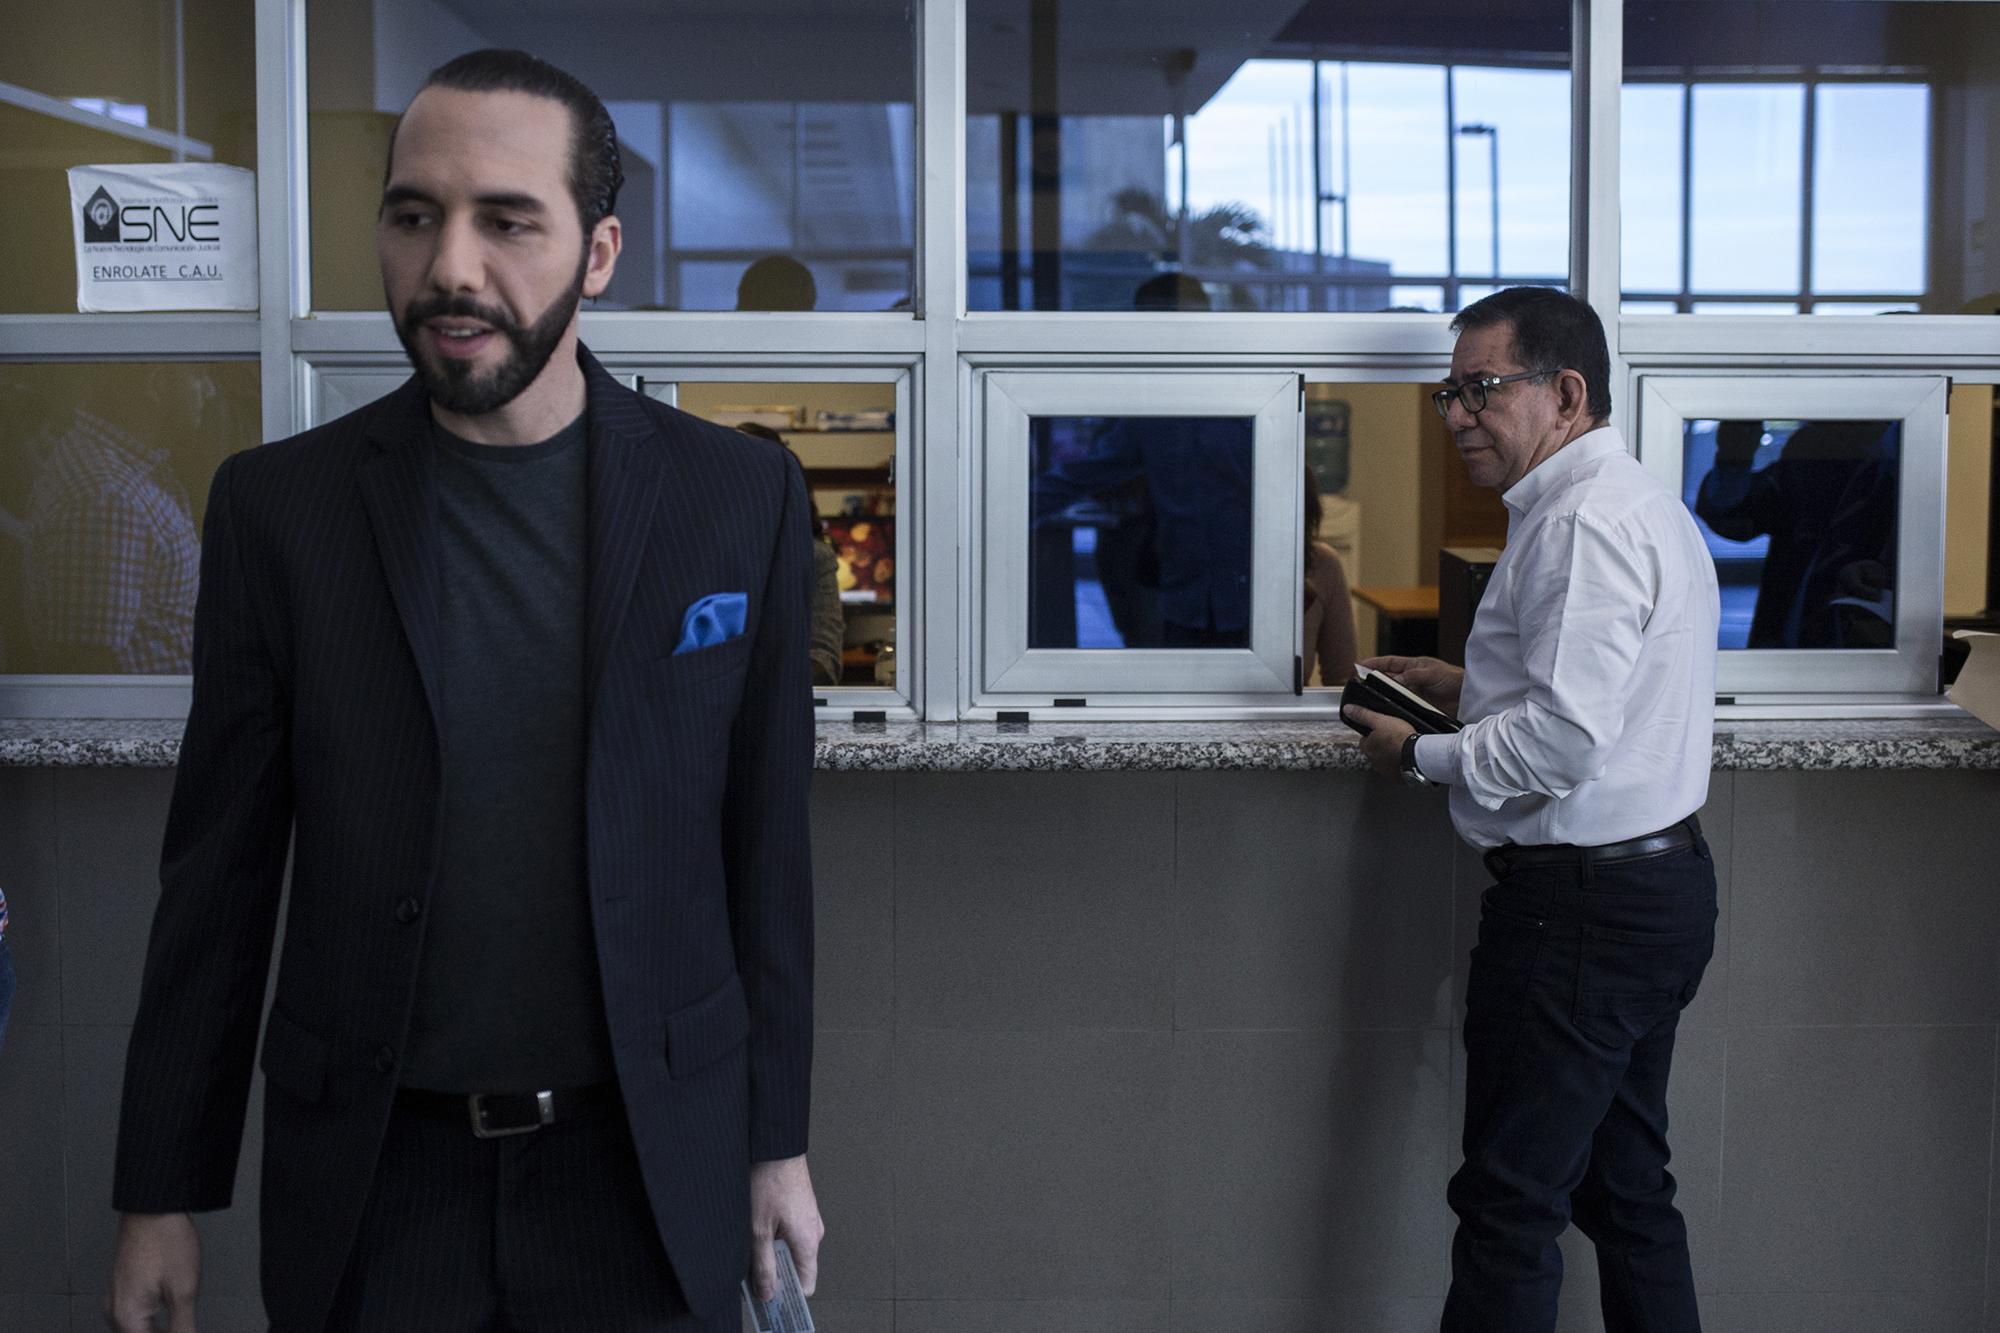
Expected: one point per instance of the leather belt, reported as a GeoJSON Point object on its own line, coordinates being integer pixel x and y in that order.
{"type": "Point", "coordinates": [495, 1115]}
{"type": "Point", "coordinates": [1505, 860]}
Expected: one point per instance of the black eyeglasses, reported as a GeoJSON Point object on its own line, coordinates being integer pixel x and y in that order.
{"type": "Point", "coordinates": [1471, 395]}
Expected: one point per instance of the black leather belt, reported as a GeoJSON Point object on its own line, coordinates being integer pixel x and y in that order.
{"type": "Point", "coordinates": [495, 1115]}
{"type": "Point", "coordinates": [1505, 860]}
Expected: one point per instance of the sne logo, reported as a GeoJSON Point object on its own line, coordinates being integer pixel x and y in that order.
{"type": "Point", "coordinates": [100, 217]}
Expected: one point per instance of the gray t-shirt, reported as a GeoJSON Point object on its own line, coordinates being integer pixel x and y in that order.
{"type": "Point", "coordinates": [507, 993]}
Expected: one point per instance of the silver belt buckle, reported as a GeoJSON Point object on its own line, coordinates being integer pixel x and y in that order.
{"type": "Point", "coordinates": [545, 1106]}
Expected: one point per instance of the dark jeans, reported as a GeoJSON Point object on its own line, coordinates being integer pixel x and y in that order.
{"type": "Point", "coordinates": [1577, 986]}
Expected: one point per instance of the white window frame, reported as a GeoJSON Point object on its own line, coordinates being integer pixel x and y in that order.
{"type": "Point", "coordinates": [1906, 673]}
{"type": "Point", "coordinates": [1014, 675]}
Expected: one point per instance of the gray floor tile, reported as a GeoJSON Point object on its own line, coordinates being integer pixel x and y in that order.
{"type": "Point", "coordinates": [1033, 1165]}
{"type": "Point", "coordinates": [28, 878]}
{"type": "Point", "coordinates": [1853, 910]}
{"type": "Point", "coordinates": [1031, 900]}
{"type": "Point", "coordinates": [853, 1159]}
{"type": "Point", "coordinates": [1846, 1165]}
{"type": "Point", "coordinates": [1310, 900]}
{"type": "Point", "coordinates": [1329, 1314]}
{"type": "Point", "coordinates": [853, 899]}
{"type": "Point", "coordinates": [1844, 1312]}
{"type": "Point", "coordinates": [109, 826]}
{"type": "Point", "coordinates": [32, 1189]}
{"type": "Point", "coordinates": [36, 1314]}
{"type": "Point", "coordinates": [1031, 1316]}
{"type": "Point", "coordinates": [1309, 1163]}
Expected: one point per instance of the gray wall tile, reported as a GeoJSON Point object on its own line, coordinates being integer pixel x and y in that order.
{"type": "Point", "coordinates": [1856, 1159]}
{"type": "Point", "coordinates": [37, 1314]}
{"type": "Point", "coordinates": [28, 878]}
{"type": "Point", "coordinates": [1031, 900]}
{"type": "Point", "coordinates": [1411, 1315]}
{"type": "Point", "coordinates": [1033, 1165]}
{"type": "Point", "coordinates": [109, 825]}
{"type": "Point", "coordinates": [1308, 1163]}
{"type": "Point", "coordinates": [854, 984]}
{"type": "Point", "coordinates": [1846, 1312]}
{"type": "Point", "coordinates": [839, 1316]}
{"type": "Point", "coordinates": [1031, 1316]}
{"type": "Point", "coordinates": [1310, 900]}
{"type": "Point", "coordinates": [1913, 931]}
{"type": "Point", "coordinates": [853, 1160]}
{"type": "Point", "coordinates": [32, 1187]}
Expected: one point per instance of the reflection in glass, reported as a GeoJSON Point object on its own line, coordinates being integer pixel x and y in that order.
{"type": "Point", "coordinates": [1835, 149]}
{"type": "Point", "coordinates": [1800, 517]}
{"type": "Point", "coordinates": [741, 140]}
{"type": "Point", "coordinates": [1140, 532]}
{"type": "Point", "coordinates": [149, 81]}
{"type": "Point", "coordinates": [844, 436]}
{"type": "Point", "coordinates": [104, 474]}
{"type": "Point", "coordinates": [1312, 157]}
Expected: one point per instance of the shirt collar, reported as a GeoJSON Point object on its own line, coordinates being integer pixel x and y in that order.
{"type": "Point", "coordinates": [1545, 476]}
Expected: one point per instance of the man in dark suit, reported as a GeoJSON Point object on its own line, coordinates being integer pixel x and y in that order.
{"type": "Point", "coordinates": [514, 662]}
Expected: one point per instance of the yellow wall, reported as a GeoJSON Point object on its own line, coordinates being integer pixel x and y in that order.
{"type": "Point", "coordinates": [1385, 478]}
{"type": "Point", "coordinates": [1967, 493]}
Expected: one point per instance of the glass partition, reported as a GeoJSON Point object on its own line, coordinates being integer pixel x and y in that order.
{"type": "Point", "coordinates": [104, 475]}
{"type": "Point", "coordinates": [1819, 500]}
{"type": "Point", "coordinates": [769, 162]}
{"type": "Point", "coordinates": [144, 82]}
{"type": "Point", "coordinates": [844, 434]}
{"type": "Point", "coordinates": [1307, 156]}
{"type": "Point", "coordinates": [1827, 158]}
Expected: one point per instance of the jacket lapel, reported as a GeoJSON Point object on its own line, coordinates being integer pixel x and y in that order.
{"type": "Point", "coordinates": [396, 488]}
{"type": "Point", "coordinates": [625, 473]}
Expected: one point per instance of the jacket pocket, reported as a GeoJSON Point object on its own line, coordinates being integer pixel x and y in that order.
{"type": "Point", "coordinates": [708, 1029]}
{"type": "Point", "coordinates": [294, 1059]}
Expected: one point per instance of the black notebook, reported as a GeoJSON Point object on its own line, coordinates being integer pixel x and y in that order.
{"type": "Point", "coordinates": [1375, 691]}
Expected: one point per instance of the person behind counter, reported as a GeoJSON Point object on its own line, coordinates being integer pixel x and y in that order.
{"type": "Point", "coordinates": [1328, 638]}
{"type": "Point", "coordinates": [1588, 698]}
{"type": "Point", "coordinates": [829, 622]}
{"type": "Point", "coordinates": [540, 1048]}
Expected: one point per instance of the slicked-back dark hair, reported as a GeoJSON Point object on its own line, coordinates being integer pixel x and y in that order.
{"type": "Point", "coordinates": [1552, 331]}
{"type": "Point", "coordinates": [595, 174]}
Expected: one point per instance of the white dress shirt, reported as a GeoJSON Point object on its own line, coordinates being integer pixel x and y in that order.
{"type": "Point", "coordinates": [1589, 697]}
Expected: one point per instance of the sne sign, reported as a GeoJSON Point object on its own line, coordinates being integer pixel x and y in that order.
{"type": "Point", "coordinates": [180, 236]}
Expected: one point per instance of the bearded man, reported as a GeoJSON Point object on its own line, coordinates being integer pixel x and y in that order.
{"type": "Point", "coordinates": [513, 661]}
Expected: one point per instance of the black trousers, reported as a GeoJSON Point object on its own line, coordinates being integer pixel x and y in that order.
{"type": "Point", "coordinates": [1577, 987]}
{"type": "Point", "coordinates": [549, 1232]}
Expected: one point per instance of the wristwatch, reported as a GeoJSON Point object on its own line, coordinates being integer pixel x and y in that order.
{"type": "Point", "coordinates": [1412, 775]}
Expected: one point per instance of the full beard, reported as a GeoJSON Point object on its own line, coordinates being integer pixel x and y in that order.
{"type": "Point", "coordinates": [458, 386]}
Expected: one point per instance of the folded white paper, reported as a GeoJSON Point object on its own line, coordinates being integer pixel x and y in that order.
{"type": "Point", "coordinates": [168, 236]}
{"type": "Point", "coordinates": [1977, 689]}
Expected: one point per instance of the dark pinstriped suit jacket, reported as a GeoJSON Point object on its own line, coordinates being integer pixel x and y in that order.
{"type": "Point", "coordinates": [315, 689]}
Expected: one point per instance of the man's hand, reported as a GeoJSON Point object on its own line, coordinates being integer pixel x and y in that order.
{"type": "Point", "coordinates": [782, 1204]}
{"type": "Point", "coordinates": [1384, 742]}
{"type": "Point", "coordinates": [1437, 682]}
{"type": "Point", "coordinates": [157, 1267]}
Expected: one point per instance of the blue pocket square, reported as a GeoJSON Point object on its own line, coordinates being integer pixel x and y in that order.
{"type": "Point", "coordinates": [716, 618]}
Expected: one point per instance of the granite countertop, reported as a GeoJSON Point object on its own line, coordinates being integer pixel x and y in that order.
{"type": "Point", "coordinates": [1945, 742]}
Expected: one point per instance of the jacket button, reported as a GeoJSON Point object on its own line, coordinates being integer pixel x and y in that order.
{"type": "Point", "coordinates": [407, 910]}
{"type": "Point", "coordinates": [385, 1059]}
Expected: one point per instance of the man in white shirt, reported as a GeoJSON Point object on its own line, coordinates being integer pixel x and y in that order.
{"type": "Point", "coordinates": [1588, 700]}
